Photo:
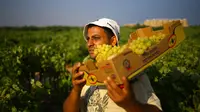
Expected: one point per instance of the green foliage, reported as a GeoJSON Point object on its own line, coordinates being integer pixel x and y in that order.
{"type": "Point", "coordinates": [33, 76]}
{"type": "Point", "coordinates": [176, 76]}
{"type": "Point", "coordinates": [32, 73]}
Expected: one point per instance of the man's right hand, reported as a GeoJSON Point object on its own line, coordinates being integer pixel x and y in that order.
{"type": "Point", "coordinates": [77, 78]}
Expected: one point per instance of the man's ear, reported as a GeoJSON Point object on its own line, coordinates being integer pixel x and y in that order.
{"type": "Point", "coordinates": [113, 40]}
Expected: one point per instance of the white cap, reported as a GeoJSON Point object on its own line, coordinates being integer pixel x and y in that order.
{"type": "Point", "coordinates": [105, 22]}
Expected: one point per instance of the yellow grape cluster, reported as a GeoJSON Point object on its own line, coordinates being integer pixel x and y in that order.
{"type": "Point", "coordinates": [103, 52]}
{"type": "Point", "coordinates": [141, 44]}
{"type": "Point", "coordinates": [157, 38]}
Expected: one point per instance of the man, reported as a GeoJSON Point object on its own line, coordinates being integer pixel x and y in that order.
{"type": "Point", "coordinates": [137, 96]}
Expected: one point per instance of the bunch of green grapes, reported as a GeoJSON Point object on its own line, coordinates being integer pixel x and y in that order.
{"type": "Point", "coordinates": [158, 37]}
{"type": "Point", "coordinates": [103, 52]}
{"type": "Point", "coordinates": [141, 44]}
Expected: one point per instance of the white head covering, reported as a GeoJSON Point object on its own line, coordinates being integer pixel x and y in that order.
{"type": "Point", "coordinates": [105, 22]}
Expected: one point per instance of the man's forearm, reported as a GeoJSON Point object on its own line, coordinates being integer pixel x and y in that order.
{"type": "Point", "coordinates": [138, 107]}
{"type": "Point", "coordinates": [72, 103]}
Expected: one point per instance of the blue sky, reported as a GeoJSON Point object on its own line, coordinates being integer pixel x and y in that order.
{"type": "Point", "coordinates": [80, 12]}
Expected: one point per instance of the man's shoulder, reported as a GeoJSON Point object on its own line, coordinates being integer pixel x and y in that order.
{"type": "Point", "coordinates": [142, 80]}
{"type": "Point", "coordinates": [138, 77]}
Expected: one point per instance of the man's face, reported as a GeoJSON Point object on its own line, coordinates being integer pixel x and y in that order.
{"type": "Point", "coordinates": [96, 36]}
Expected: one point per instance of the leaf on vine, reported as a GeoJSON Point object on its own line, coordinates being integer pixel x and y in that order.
{"type": "Point", "coordinates": [39, 84]}
{"type": "Point", "coordinates": [18, 61]}
{"type": "Point", "coordinates": [14, 109]}
{"type": "Point", "coordinates": [3, 92]}
{"type": "Point", "coordinates": [181, 69]}
{"type": "Point", "coordinates": [16, 87]}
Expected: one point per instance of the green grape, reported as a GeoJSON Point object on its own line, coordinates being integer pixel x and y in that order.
{"type": "Point", "coordinates": [144, 47]}
{"type": "Point", "coordinates": [148, 44]}
{"type": "Point", "coordinates": [140, 46]}
{"type": "Point", "coordinates": [139, 51]}
{"type": "Point", "coordinates": [133, 46]}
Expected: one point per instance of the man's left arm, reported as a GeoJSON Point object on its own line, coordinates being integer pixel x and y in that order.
{"type": "Point", "coordinates": [125, 98]}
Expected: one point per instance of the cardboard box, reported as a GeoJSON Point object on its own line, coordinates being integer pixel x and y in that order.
{"type": "Point", "coordinates": [129, 64]}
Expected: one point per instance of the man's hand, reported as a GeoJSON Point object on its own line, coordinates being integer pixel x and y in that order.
{"type": "Point", "coordinates": [77, 78]}
{"type": "Point", "coordinates": [122, 97]}
{"type": "Point", "coordinates": [72, 103]}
